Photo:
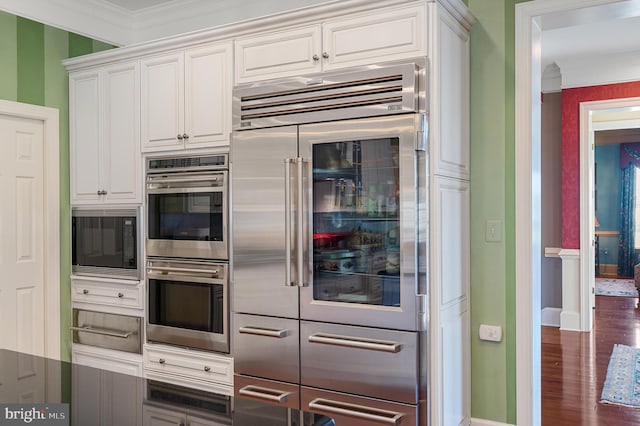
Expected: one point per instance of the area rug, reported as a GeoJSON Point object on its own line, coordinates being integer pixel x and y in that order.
{"type": "Point", "coordinates": [616, 287]}
{"type": "Point", "coordinates": [622, 385]}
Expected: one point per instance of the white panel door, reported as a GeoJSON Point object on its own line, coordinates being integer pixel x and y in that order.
{"type": "Point", "coordinates": [22, 235]}
{"type": "Point", "coordinates": [84, 104]}
{"type": "Point", "coordinates": [208, 83]}
{"type": "Point", "coordinates": [121, 149]}
{"type": "Point", "coordinates": [23, 379]}
{"type": "Point", "coordinates": [162, 115]}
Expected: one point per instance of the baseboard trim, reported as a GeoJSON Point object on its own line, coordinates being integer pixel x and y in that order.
{"type": "Point", "coordinates": [551, 316]}
{"type": "Point", "coordinates": [483, 422]}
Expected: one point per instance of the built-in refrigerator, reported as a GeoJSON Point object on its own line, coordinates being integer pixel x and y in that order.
{"type": "Point", "coordinates": [330, 243]}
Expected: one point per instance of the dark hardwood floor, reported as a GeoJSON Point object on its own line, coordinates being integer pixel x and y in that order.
{"type": "Point", "coordinates": [574, 367]}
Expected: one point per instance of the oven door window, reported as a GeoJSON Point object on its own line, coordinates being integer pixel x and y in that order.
{"type": "Point", "coordinates": [191, 216]}
{"type": "Point", "coordinates": [192, 306]}
{"type": "Point", "coordinates": [105, 242]}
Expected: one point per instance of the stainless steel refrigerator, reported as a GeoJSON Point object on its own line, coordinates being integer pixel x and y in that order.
{"type": "Point", "coordinates": [329, 237]}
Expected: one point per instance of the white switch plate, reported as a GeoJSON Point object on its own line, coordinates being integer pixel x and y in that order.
{"type": "Point", "coordinates": [492, 333]}
{"type": "Point", "coordinates": [493, 231]}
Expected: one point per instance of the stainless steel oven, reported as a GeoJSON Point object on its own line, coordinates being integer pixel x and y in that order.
{"type": "Point", "coordinates": [188, 303]}
{"type": "Point", "coordinates": [187, 206]}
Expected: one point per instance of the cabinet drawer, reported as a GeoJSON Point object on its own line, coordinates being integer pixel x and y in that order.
{"type": "Point", "coordinates": [268, 391]}
{"type": "Point", "coordinates": [353, 410]}
{"type": "Point", "coordinates": [189, 364]}
{"type": "Point", "coordinates": [122, 293]}
{"type": "Point", "coordinates": [266, 347]}
{"type": "Point", "coordinates": [107, 359]}
{"type": "Point", "coordinates": [360, 360]}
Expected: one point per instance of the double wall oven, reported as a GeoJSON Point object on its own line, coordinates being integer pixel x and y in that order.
{"type": "Point", "coordinates": [187, 251]}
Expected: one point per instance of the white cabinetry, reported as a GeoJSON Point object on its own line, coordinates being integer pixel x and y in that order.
{"type": "Point", "coordinates": [186, 99]}
{"type": "Point", "coordinates": [105, 398]}
{"type": "Point", "coordinates": [110, 293]}
{"type": "Point", "coordinates": [373, 37]}
{"type": "Point", "coordinates": [207, 371]}
{"type": "Point", "coordinates": [104, 129]}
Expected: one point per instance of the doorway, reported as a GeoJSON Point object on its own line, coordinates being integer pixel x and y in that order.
{"type": "Point", "coordinates": [29, 223]}
{"type": "Point", "coordinates": [527, 215]}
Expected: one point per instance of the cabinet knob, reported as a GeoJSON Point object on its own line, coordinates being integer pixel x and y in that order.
{"type": "Point", "coordinates": [207, 369]}
{"type": "Point", "coordinates": [85, 291]}
{"type": "Point", "coordinates": [185, 136]}
{"type": "Point", "coordinates": [120, 295]}
{"type": "Point", "coordinates": [325, 55]}
{"type": "Point", "coordinates": [316, 58]}
{"type": "Point", "coordinates": [179, 137]}
{"type": "Point", "coordinates": [161, 361]}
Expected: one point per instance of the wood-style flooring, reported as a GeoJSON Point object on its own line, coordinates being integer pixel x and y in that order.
{"type": "Point", "coordinates": [574, 367]}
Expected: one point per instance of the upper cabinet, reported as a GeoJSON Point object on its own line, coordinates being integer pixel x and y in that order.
{"type": "Point", "coordinates": [104, 135]}
{"type": "Point", "coordinates": [373, 37]}
{"type": "Point", "coordinates": [186, 99]}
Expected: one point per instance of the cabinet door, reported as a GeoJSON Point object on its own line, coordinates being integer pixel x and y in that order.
{"type": "Point", "coordinates": [162, 80]}
{"type": "Point", "coordinates": [375, 37]}
{"type": "Point", "coordinates": [122, 399]}
{"type": "Point", "coordinates": [208, 95]}
{"type": "Point", "coordinates": [86, 395]}
{"type": "Point", "coordinates": [85, 122]}
{"type": "Point", "coordinates": [121, 147]}
{"type": "Point", "coordinates": [281, 54]}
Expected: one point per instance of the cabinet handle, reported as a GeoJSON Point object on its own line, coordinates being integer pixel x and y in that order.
{"type": "Point", "coordinates": [356, 411]}
{"type": "Point", "coordinates": [316, 58]}
{"type": "Point", "coordinates": [161, 361]}
{"type": "Point", "coordinates": [325, 55]}
{"type": "Point", "coordinates": [185, 136]}
{"type": "Point", "coordinates": [120, 295]}
{"type": "Point", "coordinates": [179, 137]}
{"type": "Point", "coordinates": [85, 291]}
{"type": "Point", "coordinates": [265, 393]}
{"type": "Point", "coordinates": [207, 369]}
{"type": "Point", "coordinates": [88, 329]}
{"type": "Point", "coordinates": [355, 342]}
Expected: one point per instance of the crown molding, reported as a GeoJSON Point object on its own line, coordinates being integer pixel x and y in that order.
{"type": "Point", "coordinates": [617, 67]}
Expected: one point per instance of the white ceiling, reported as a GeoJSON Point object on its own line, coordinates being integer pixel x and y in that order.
{"type": "Point", "coordinates": [137, 5]}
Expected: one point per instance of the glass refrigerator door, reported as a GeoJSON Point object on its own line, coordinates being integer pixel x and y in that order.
{"type": "Point", "coordinates": [362, 215]}
{"type": "Point", "coordinates": [356, 253]}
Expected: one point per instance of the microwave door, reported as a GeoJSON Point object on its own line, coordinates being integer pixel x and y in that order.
{"type": "Point", "coordinates": [262, 253]}
{"type": "Point", "coordinates": [362, 221]}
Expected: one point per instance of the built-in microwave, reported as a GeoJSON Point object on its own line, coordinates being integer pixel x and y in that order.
{"type": "Point", "coordinates": [106, 242]}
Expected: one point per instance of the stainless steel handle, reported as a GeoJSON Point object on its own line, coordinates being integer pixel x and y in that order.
{"type": "Point", "coordinates": [287, 222]}
{"type": "Point", "coordinates": [120, 295]}
{"type": "Point", "coordinates": [161, 361]}
{"type": "Point", "coordinates": [188, 179]}
{"type": "Point", "coordinates": [299, 223]}
{"type": "Point", "coordinates": [87, 329]}
{"type": "Point", "coordinates": [85, 291]}
{"type": "Point", "coordinates": [377, 415]}
{"type": "Point", "coordinates": [264, 393]}
{"type": "Point", "coordinates": [325, 55]}
{"type": "Point", "coordinates": [261, 331]}
{"type": "Point", "coordinates": [182, 270]}
{"type": "Point", "coordinates": [179, 137]}
{"type": "Point", "coordinates": [356, 342]}
{"type": "Point", "coordinates": [316, 58]}
{"type": "Point", "coordinates": [207, 369]}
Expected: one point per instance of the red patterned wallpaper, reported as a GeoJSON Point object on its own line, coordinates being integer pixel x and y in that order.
{"type": "Point", "coordinates": [571, 99]}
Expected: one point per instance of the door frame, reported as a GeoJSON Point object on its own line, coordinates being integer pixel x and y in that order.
{"type": "Point", "coordinates": [51, 187]}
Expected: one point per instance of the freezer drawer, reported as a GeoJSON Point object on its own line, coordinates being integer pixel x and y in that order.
{"type": "Point", "coordinates": [360, 360]}
{"type": "Point", "coordinates": [110, 331]}
{"type": "Point", "coordinates": [268, 391]}
{"type": "Point", "coordinates": [350, 410]}
{"type": "Point", "coordinates": [266, 347]}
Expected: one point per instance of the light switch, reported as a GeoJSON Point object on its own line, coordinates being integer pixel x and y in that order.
{"type": "Point", "coordinates": [492, 333]}
{"type": "Point", "coordinates": [493, 231]}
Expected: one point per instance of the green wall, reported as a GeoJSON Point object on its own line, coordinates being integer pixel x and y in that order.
{"type": "Point", "coordinates": [493, 367]}
{"type": "Point", "coordinates": [31, 72]}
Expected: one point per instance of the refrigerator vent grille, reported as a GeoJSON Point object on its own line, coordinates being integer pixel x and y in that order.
{"type": "Point", "coordinates": [369, 92]}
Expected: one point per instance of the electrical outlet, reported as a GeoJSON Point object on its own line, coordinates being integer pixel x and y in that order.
{"type": "Point", "coordinates": [493, 231]}
{"type": "Point", "coordinates": [492, 333]}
